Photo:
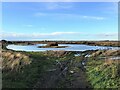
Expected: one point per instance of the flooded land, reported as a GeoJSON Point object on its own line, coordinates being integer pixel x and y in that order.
{"type": "Point", "coordinates": [86, 66]}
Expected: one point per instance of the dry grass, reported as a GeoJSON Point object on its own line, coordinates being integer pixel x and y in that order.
{"type": "Point", "coordinates": [14, 60]}
{"type": "Point", "coordinates": [110, 61]}
{"type": "Point", "coordinates": [111, 52]}
{"type": "Point", "coordinates": [106, 53]}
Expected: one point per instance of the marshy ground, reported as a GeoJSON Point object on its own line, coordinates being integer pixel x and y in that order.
{"type": "Point", "coordinates": [61, 69]}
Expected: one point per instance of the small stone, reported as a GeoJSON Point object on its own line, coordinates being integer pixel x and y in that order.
{"type": "Point", "coordinates": [71, 72]}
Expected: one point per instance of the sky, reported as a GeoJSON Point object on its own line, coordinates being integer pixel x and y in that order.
{"type": "Point", "coordinates": [59, 21]}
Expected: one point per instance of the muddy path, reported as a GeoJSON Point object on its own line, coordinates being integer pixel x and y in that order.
{"type": "Point", "coordinates": [48, 80]}
{"type": "Point", "coordinates": [68, 74]}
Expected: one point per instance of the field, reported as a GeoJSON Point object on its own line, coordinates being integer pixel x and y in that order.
{"type": "Point", "coordinates": [60, 44]}
{"type": "Point", "coordinates": [94, 43]}
{"type": "Point", "coordinates": [61, 69]}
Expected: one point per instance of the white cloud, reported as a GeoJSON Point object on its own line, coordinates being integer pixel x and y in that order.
{"type": "Point", "coordinates": [40, 14]}
{"type": "Point", "coordinates": [93, 17]}
{"type": "Point", "coordinates": [109, 34]}
{"type": "Point", "coordinates": [58, 5]}
{"type": "Point", "coordinates": [64, 15]}
{"type": "Point", "coordinates": [28, 25]}
{"type": "Point", "coordinates": [53, 34]}
{"type": "Point", "coordinates": [35, 35]}
{"type": "Point", "coordinates": [57, 35]}
{"type": "Point", "coordinates": [61, 33]}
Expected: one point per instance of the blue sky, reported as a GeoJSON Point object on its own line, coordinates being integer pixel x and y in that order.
{"type": "Point", "coordinates": [59, 21]}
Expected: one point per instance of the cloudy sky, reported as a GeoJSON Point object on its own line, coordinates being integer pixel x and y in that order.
{"type": "Point", "coordinates": [59, 21]}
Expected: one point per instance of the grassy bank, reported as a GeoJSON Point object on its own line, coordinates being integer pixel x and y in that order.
{"type": "Point", "coordinates": [103, 70]}
{"type": "Point", "coordinates": [20, 72]}
{"type": "Point", "coordinates": [103, 74]}
{"type": "Point", "coordinates": [61, 69]}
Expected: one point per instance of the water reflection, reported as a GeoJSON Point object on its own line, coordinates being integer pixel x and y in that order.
{"type": "Point", "coordinates": [71, 47]}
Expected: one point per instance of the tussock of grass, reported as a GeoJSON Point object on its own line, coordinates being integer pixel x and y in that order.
{"type": "Point", "coordinates": [14, 60]}
{"type": "Point", "coordinates": [103, 75]}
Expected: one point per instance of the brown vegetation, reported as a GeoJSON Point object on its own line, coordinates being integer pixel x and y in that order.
{"type": "Point", "coordinates": [105, 53]}
{"type": "Point", "coordinates": [52, 44]}
{"type": "Point", "coordinates": [57, 53]}
{"type": "Point", "coordinates": [55, 43]}
{"type": "Point", "coordinates": [14, 60]}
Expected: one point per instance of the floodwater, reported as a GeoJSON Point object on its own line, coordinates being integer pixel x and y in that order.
{"type": "Point", "coordinates": [71, 47]}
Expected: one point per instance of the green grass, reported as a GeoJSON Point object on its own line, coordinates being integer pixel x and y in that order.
{"type": "Point", "coordinates": [103, 76]}
{"type": "Point", "coordinates": [98, 74]}
{"type": "Point", "coordinates": [28, 76]}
